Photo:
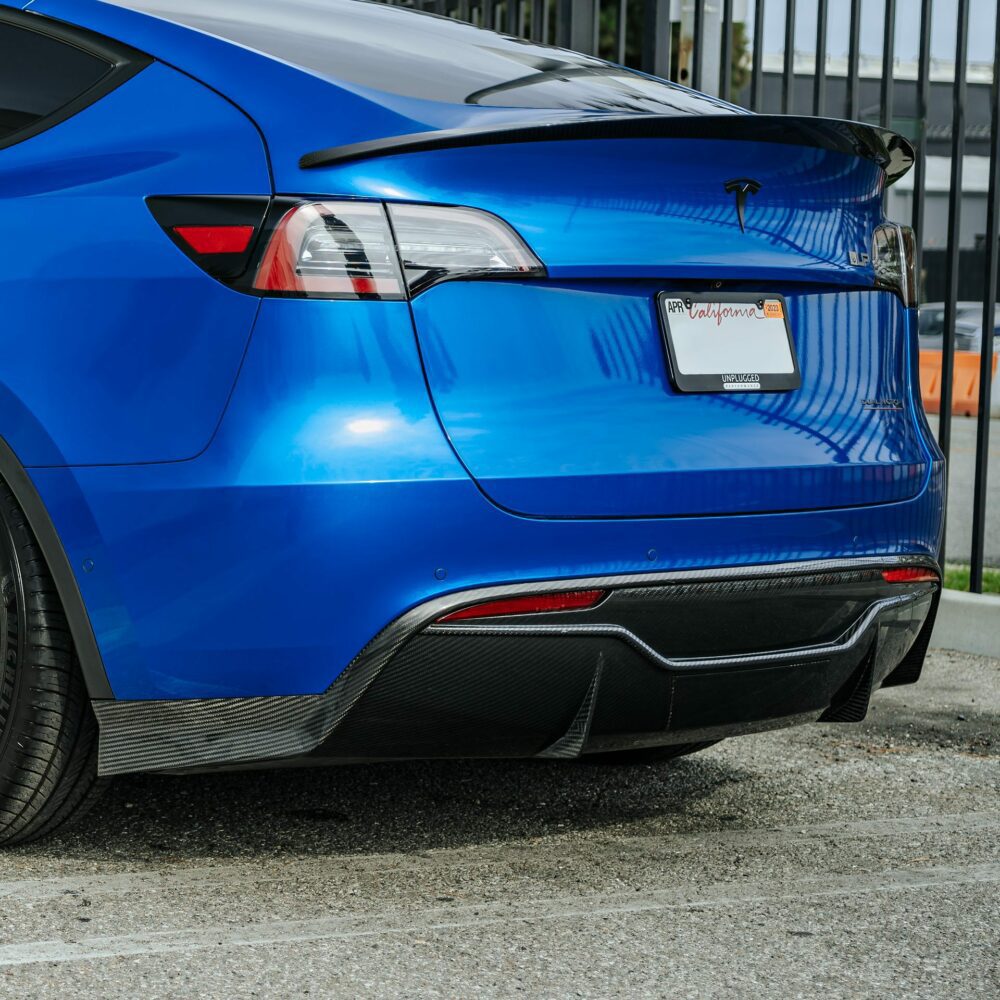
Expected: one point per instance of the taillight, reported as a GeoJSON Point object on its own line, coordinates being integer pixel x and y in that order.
{"type": "Point", "coordinates": [910, 574]}
{"type": "Point", "coordinates": [436, 243]}
{"type": "Point", "coordinates": [341, 249]}
{"type": "Point", "coordinates": [332, 250]}
{"type": "Point", "coordinates": [358, 249]}
{"type": "Point", "coordinates": [218, 233]}
{"type": "Point", "coordinates": [893, 257]}
{"type": "Point", "coordinates": [533, 604]}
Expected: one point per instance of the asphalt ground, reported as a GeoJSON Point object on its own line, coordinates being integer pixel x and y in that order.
{"type": "Point", "coordinates": [843, 861]}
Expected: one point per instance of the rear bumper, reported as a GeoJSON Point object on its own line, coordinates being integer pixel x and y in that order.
{"type": "Point", "coordinates": [573, 683]}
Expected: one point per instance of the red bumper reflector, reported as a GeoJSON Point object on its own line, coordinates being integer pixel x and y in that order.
{"type": "Point", "coordinates": [216, 239]}
{"type": "Point", "coordinates": [910, 574]}
{"type": "Point", "coordinates": [573, 600]}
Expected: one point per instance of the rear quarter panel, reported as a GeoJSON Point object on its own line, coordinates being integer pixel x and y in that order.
{"type": "Point", "coordinates": [116, 347]}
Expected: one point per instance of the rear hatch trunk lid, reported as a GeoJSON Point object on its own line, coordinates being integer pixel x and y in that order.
{"type": "Point", "coordinates": [557, 395]}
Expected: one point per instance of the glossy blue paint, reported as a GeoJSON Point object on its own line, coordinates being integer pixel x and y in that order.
{"type": "Point", "coordinates": [257, 506]}
{"type": "Point", "coordinates": [300, 111]}
{"type": "Point", "coordinates": [651, 207]}
{"type": "Point", "coordinates": [117, 348]}
{"type": "Point", "coordinates": [326, 503]}
{"type": "Point", "coordinates": [558, 400]}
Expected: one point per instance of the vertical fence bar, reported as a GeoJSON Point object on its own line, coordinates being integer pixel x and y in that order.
{"type": "Point", "coordinates": [489, 14]}
{"type": "Point", "coordinates": [726, 53]}
{"type": "Point", "coordinates": [512, 10]}
{"type": "Point", "coordinates": [536, 20]}
{"type": "Point", "coordinates": [819, 78]}
{"type": "Point", "coordinates": [986, 347]}
{"type": "Point", "coordinates": [564, 23]}
{"type": "Point", "coordinates": [697, 60]}
{"type": "Point", "coordinates": [954, 231]}
{"type": "Point", "coordinates": [888, 62]}
{"type": "Point", "coordinates": [788, 72]}
{"type": "Point", "coordinates": [757, 69]}
{"type": "Point", "coordinates": [621, 32]}
{"type": "Point", "coordinates": [657, 38]}
{"type": "Point", "coordinates": [920, 166]}
{"type": "Point", "coordinates": [854, 61]}
{"type": "Point", "coordinates": [576, 21]}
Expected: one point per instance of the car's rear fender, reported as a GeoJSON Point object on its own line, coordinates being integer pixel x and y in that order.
{"type": "Point", "coordinates": [117, 347]}
{"type": "Point", "coordinates": [329, 503]}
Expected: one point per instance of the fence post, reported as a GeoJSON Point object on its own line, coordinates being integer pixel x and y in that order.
{"type": "Point", "coordinates": [819, 78]}
{"type": "Point", "coordinates": [539, 20]}
{"type": "Point", "coordinates": [621, 32]}
{"type": "Point", "coordinates": [888, 62]}
{"type": "Point", "coordinates": [757, 70]}
{"type": "Point", "coordinates": [853, 62]}
{"type": "Point", "coordinates": [509, 23]}
{"type": "Point", "coordinates": [576, 25]}
{"type": "Point", "coordinates": [954, 230]}
{"type": "Point", "coordinates": [920, 166]}
{"type": "Point", "coordinates": [726, 58]}
{"type": "Point", "coordinates": [788, 71]}
{"type": "Point", "coordinates": [657, 38]}
{"type": "Point", "coordinates": [986, 346]}
{"type": "Point", "coordinates": [697, 53]}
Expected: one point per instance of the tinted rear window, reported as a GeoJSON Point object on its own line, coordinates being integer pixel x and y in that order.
{"type": "Point", "coordinates": [420, 55]}
{"type": "Point", "coordinates": [39, 75]}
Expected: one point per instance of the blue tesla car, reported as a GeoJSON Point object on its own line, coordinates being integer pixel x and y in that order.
{"type": "Point", "coordinates": [377, 387]}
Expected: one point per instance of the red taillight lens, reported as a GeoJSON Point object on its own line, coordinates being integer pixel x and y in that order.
{"type": "Point", "coordinates": [359, 249]}
{"type": "Point", "coordinates": [910, 574]}
{"type": "Point", "coordinates": [334, 250]}
{"type": "Point", "coordinates": [574, 600]}
{"type": "Point", "coordinates": [216, 239]}
{"type": "Point", "coordinates": [340, 249]}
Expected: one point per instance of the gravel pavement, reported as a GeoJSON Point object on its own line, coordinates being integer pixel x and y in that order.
{"type": "Point", "coordinates": [842, 861]}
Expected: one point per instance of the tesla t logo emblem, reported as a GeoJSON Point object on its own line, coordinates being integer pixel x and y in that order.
{"type": "Point", "coordinates": [741, 187]}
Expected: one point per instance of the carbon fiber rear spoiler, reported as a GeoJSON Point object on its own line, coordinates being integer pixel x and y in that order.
{"type": "Point", "coordinates": [888, 149]}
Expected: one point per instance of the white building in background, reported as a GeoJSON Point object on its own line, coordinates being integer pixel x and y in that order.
{"type": "Point", "coordinates": [975, 186]}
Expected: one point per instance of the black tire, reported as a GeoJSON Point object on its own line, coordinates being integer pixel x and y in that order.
{"type": "Point", "coordinates": [48, 734]}
{"type": "Point", "coordinates": [645, 755]}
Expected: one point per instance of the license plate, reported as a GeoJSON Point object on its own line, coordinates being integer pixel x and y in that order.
{"type": "Point", "coordinates": [729, 343]}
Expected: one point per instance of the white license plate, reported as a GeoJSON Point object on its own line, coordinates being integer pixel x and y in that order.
{"type": "Point", "coordinates": [729, 343]}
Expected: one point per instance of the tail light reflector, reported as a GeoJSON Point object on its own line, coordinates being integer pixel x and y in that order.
{"type": "Point", "coordinates": [910, 574]}
{"type": "Point", "coordinates": [216, 239]}
{"type": "Point", "coordinates": [574, 600]}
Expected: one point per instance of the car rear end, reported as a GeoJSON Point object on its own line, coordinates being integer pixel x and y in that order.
{"type": "Point", "coordinates": [591, 405]}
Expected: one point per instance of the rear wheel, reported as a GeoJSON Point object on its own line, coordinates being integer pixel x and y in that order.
{"type": "Point", "coordinates": [646, 755]}
{"type": "Point", "coordinates": [48, 734]}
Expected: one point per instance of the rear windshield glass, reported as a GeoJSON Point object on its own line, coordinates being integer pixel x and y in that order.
{"type": "Point", "coordinates": [421, 55]}
{"type": "Point", "coordinates": [39, 75]}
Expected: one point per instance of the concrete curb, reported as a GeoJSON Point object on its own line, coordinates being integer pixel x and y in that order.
{"type": "Point", "coordinates": [968, 622]}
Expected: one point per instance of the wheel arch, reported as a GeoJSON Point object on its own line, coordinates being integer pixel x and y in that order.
{"type": "Point", "coordinates": [91, 662]}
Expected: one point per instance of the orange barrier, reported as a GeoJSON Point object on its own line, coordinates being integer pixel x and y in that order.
{"type": "Point", "coordinates": [966, 384]}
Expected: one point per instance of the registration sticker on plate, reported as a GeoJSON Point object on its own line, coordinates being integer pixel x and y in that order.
{"type": "Point", "coordinates": [729, 343]}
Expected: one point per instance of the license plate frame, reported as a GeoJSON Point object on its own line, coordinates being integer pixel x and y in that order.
{"type": "Point", "coordinates": [739, 377]}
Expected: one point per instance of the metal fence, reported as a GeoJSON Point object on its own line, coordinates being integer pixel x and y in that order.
{"type": "Point", "coordinates": [678, 40]}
